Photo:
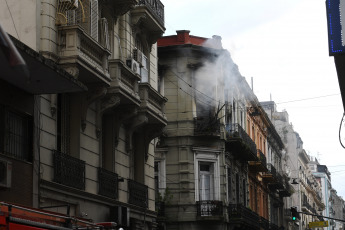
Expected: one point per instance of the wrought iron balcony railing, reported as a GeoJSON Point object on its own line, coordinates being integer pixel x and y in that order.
{"type": "Point", "coordinates": [235, 134]}
{"type": "Point", "coordinates": [209, 208]}
{"type": "Point", "coordinates": [240, 214]}
{"type": "Point", "coordinates": [155, 7]}
{"type": "Point", "coordinates": [138, 194]}
{"type": "Point", "coordinates": [107, 183]}
{"type": "Point", "coordinates": [287, 190]}
{"type": "Point", "coordinates": [272, 170]}
{"type": "Point", "coordinates": [69, 171]}
{"type": "Point", "coordinates": [260, 165]}
{"type": "Point", "coordinates": [262, 158]}
{"type": "Point", "coordinates": [207, 126]}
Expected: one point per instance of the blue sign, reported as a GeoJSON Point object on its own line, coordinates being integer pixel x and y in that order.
{"type": "Point", "coordinates": [335, 14]}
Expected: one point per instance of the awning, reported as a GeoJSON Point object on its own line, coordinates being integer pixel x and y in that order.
{"type": "Point", "coordinates": [26, 69]}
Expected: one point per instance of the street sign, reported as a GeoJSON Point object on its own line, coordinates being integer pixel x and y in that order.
{"type": "Point", "coordinates": [318, 224]}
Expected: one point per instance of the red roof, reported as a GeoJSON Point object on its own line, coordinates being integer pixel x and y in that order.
{"type": "Point", "coordinates": [183, 37]}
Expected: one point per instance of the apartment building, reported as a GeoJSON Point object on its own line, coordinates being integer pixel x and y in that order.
{"type": "Point", "coordinates": [91, 137]}
{"type": "Point", "coordinates": [298, 170]}
{"type": "Point", "coordinates": [211, 160]}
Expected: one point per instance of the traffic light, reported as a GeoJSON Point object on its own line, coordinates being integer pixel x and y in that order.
{"type": "Point", "coordinates": [294, 213]}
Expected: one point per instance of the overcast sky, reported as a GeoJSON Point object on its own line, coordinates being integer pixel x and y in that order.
{"type": "Point", "coordinates": [283, 46]}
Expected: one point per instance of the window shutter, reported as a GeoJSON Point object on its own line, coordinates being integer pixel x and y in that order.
{"type": "Point", "coordinates": [94, 19]}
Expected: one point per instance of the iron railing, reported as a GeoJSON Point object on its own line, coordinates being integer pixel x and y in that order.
{"type": "Point", "coordinates": [209, 208]}
{"type": "Point", "coordinates": [155, 7]}
{"type": "Point", "coordinates": [207, 126]}
{"type": "Point", "coordinates": [138, 194]}
{"type": "Point", "coordinates": [69, 171]}
{"type": "Point", "coordinates": [262, 158]}
{"type": "Point", "coordinates": [239, 212]}
{"type": "Point", "coordinates": [108, 183]}
{"type": "Point", "coordinates": [271, 170]}
{"type": "Point", "coordinates": [236, 131]}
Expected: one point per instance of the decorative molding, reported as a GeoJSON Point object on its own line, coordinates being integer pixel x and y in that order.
{"type": "Point", "coordinates": [74, 71]}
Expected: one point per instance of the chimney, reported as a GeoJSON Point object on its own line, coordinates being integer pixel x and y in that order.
{"type": "Point", "coordinates": [217, 41]}
{"type": "Point", "coordinates": [183, 36]}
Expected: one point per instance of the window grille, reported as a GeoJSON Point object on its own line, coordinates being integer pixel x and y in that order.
{"type": "Point", "coordinates": [15, 134]}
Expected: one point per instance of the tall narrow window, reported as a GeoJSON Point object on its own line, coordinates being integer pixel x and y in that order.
{"type": "Point", "coordinates": [108, 142]}
{"type": "Point", "coordinates": [206, 181]}
{"type": "Point", "coordinates": [229, 184]}
{"type": "Point", "coordinates": [157, 163]}
{"type": "Point", "coordinates": [244, 192]}
{"type": "Point", "coordinates": [15, 134]}
{"type": "Point", "coordinates": [237, 188]}
{"type": "Point", "coordinates": [63, 124]}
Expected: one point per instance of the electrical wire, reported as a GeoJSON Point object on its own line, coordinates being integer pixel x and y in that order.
{"type": "Point", "coordinates": [15, 28]}
{"type": "Point", "coordinates": [341, 122]}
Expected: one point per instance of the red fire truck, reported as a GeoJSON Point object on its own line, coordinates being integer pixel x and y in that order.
{"type": "Point", "coordinates": [15, 217]}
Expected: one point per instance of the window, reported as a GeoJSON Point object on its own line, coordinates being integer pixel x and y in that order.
{"type": "Point", "coordinates": [15, 134]}
{"type": "Point", "coordinates": [206, 181]}
{"type": "Point", "coordinates": [237, 189]}
{"type": "Point", "coordinates": [244, 192]}
{"type": "Point", "coordinates": [108, 142]}
{"type": "Point", "coordinates": [63, 124]}
{"type": "Point", "coordinates": [229, 184]}
{"type": "Point", "coordinates": [160, 182]}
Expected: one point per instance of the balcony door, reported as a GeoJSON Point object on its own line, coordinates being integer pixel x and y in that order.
{"type": "Point", "coordinates": [206, 181]}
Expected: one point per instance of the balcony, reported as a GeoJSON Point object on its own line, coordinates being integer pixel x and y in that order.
{"type": "Point", "coordinates": [107, 183]}
{"type": "Point", "coordinates": [82, 56]}
{"type": "Point", "coordinates": [244, 217]}
{"type": "Point", "coordinates": [278, 183]}
{"type": "Point", "coordinates": [287, 190]}
{"type": "Point", "coordinates": [124, 83]}
{"type": "Point", "coordinates": [264, 223]}
{"type": "Point", "coordinates": [120, 7]}
{"type": "Point", "coordinates": [138, 194]}
{"type": "Point", "coordinates": [69, 171]}
{"type": "Point", "coordinates": [239, 143]}
{"type": "Point", "coordinates": [153, 104]}
{"type": "Point", "coordinates": [207, 126]}
{"type": "Point", "coordinates": [260, 165]}
{"type": "Point", "coordinates": [270, 176]}
{"type": "Point", "coordinates": [150, 15]}
{"type": "Point", "coordinates": [209, 208]}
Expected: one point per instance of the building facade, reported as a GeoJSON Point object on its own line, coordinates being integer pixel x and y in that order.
{"type": "Point", "coordinates": [304, 186]}
{"type": "Point", "coordinates": [92, 151]}
{"type": "Point", "coordinates": [211, 161]}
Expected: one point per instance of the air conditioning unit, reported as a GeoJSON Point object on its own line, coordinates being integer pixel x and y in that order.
{"type": "Point", "coordinates": [137, 55]}
{"type": "Point", "coordinates": [70, 4]}
{"type": "Point", "coordinates": [134, 65]}
{"type": "Point", "coordinates": [120, 215]}
{"type": "Point", "coordinates": [5, 173]}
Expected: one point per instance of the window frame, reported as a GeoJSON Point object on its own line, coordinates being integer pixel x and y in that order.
{"type": "Point", "coordinates": [212, 157]}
